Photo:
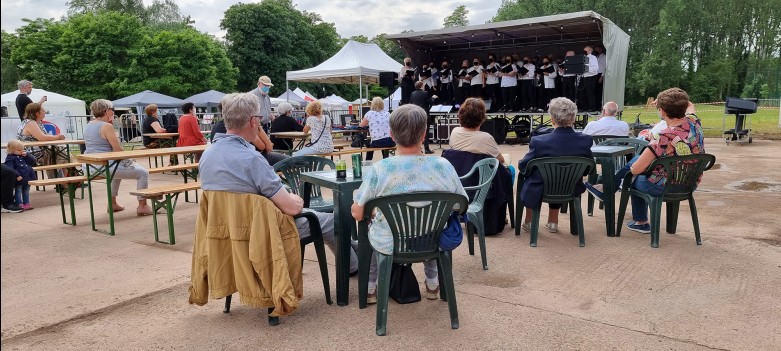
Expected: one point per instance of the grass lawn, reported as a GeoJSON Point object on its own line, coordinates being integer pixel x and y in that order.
{"type": "Point", "coordinates": [764, 123]}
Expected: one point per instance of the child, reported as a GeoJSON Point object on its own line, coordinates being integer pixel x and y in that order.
{"type": "Point", "coordinates": [22, 164]}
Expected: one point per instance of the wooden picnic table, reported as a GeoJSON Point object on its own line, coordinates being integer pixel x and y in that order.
{"type": "Point", "coordinates": [51, 147]}
{"type": "Point", "coordinates": [106, 164]}
{"type": "Point", "coordinates": [301, 137]}
{"type": "Point", "coordinates": [167, 139]}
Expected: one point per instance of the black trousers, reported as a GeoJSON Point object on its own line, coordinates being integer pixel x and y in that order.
{"type": "Point", "coordinates": [527, 93]}
{"type": "Point", "coordinates": [407, 87]}
{"type": "Point", "coordinates": [476, 91]}
{"type": "Point", "coordinates": [426, 141]}
{"type": "Point", "coordinates": [590, 92]}
{"type": "Point", "coordinates": [495, 95]}
{"type": "Point", "coordinates": [600, 86]}
{"type": "Point", "coordinates": [508, 97]}
{"type": "Point", "coordinates": [7, 185]}
{"type": "Point", "coordinates": [464, 91]}
{"type": "Point", "coordinates": [568, 88]}
{"type": "Point", "coordinates": [446, 94]}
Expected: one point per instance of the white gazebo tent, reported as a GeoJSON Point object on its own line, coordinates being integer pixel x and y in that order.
{"type": "Point", "coordinates": [392, 102]}
{"type": "Point", "coordinates": [355, 63]}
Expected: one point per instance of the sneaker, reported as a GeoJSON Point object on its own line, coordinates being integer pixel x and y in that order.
{"type": "Point", "coordinates": [11, 208]}
{"type": "Point", "coordinates": [429, 152]}
{"type": "Point", "coordinates": [371, 298]}
{"type": "Point", "coordinates": [640, 228]}
{"type": "Point", "coordinates": [526, 227]}
{"type": "Point", "coordinates": [552, 227]}
{"type": "Point", "coordinates": [595, 190]}
{"type": "Point", "coordinates": [432, 294]}
{"type": "Point", "coordinates": [27, 207]}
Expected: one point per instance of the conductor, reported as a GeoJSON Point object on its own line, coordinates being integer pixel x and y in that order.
{"type": "Point", "coordinates": [424, 99]}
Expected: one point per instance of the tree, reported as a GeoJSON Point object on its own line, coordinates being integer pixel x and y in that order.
{"type": "Point", "coordinates": [457, 18]}
{"type": "Point", "coordinates": [391, 48]}
{"type": "Point", "coordinates": [178, 63]}
{"type": "Point", "coordinates": [9, 73]}
{"type": "Point", "coordinates": [34, 51]}
{"type": "Point", "coordinates": [272, 37]}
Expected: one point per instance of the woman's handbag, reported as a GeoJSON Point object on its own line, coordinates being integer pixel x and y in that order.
{"type": "Point", "coordinates": [449, 239]}
{"type": "Point", "coordinates": [327, 120]}
{"type": "Point", "coordinates": [404, 286]}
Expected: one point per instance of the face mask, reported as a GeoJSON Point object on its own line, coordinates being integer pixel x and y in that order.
{"type": "Point", "coordinates": [545, 62]}
{"type": "Point", "coordinates": [464, 66]}
{"type": "Point", "coordinates": [585, 52]}
{"type": "Point", "coordinates": [431, 64]}
{"type": "Point", "coordinates": [265, 89]}
{"type": "Point", "coordinates": [525, 62]}
{"type": "Point", "coordinates": [475, 63]}
{"type": "Point", "coordinates": [490, 59]}
{"type": "Point", "coordinates": [444, 66]}
{"type": "Point", "coordinates": [408, 63]}
{"type": "Point", "coordinates": [507, 61]}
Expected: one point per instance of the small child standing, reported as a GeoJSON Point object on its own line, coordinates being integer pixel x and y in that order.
{"type": "Point", "coordinates": [23, 164]}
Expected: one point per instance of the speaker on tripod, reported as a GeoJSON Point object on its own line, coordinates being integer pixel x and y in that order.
{"type": "Point", "coordinates": [389, 79]}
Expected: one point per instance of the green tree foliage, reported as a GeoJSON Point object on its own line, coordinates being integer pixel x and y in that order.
{"type": "Point", "coordinates": [711, 48]}
{"type": "Point", "coordinates": [110, 55]}
{"type": "Point", "coordinates": [390, 47]}
{"type": "Point", "coordinates": [457, 18]}
{"type": "Point", "coordinates": [9, 73]}
{"type": "Point", "coordinates": [178, 63]}
{"type": "Point", "coordinates": [272, 37]}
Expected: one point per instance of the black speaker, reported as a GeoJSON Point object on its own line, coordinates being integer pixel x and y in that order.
{"type": "Point", "coordinates": [497, 127]}
{"type": "Point", "coordinates": [743, 106]}
{"type": "Point", "coordinates": [577, 64]}
{"type": "Point", "coordinates": [388, 79]}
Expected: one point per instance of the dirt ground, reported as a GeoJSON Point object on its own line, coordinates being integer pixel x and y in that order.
{"type": "Point", "coordinates": [69, 288]}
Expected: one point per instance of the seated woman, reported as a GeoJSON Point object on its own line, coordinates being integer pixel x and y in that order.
{"type": "Point", "coordinates": [563, 141]}
{"type": "Point", "coordinates": [379, 128]}
{"type": "Point", "coordinates": [99, 136]}
{"type": "Point", "coordinates": [189, 131]}
{"type": "Point", "coordinates": [284, 123]}
{"type": "Point", "coordinates": [151, 125]}
{"type": "Point", "coordinates": [319, 129]}
{"type": "Point", "coordinates": [468, 136]}
{"type": "Point", "coordinates": [682, 136]}
{"type": "Point", "coordinates": [31, 129]}
{"type": "Point", "coordinates": [406, 172]}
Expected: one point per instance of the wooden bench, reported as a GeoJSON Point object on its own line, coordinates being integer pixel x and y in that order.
{"type": "Point", "coordinates": [341, 144]}
{"type": "Point", "coordinates": [188, 171]}
{"type": "Point", "coordinates": [76, 167]}
{"type": "Point", "coordinates": [165, 196]}
{"type": "Point", "coordinates": [71, 183]}
{"type": "Point", "coordinates": [355, 151]}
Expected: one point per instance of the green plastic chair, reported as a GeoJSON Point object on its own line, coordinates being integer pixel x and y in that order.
{"type": "Point", "coordinates": [682, 174]}
{"type": "Point", "coordinates": [559, 176]}
{"type": "Point", "coordinates": [291, 170]}
{"type": "Point", "coordinates": [486, 169]}
{"type": "Point", "coordinates": [409, 216]}
{"type": "Point", "coordinates": [594, 178]}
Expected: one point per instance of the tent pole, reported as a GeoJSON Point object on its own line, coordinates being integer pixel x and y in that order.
{"type": "Point", "coordinates": [360, 95]}
{"type": "Point", "coordinates": [287, 88]}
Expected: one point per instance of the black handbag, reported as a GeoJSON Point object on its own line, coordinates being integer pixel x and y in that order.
{"type": "Point", "coordinates": [404, 286]}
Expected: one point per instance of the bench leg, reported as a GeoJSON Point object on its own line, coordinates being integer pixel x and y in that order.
{"type": "Point", "coordinates": [169, 203]}
{"type": "Point", "coordinates": [71, 195]}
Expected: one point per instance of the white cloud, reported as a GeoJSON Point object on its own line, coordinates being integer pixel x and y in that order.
{"type": "Point", "coordinates": [351, 17]}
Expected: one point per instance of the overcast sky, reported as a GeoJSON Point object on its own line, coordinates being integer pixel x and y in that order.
{"type": "Point", "coordinates": [352, 17]}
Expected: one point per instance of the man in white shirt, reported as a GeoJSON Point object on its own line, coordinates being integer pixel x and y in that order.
{"type": "Point", "coordinates": [589, 80]}
{"type": "Point", "coordinates": [608, 124]}
{"type": "Point", "coordinates": [601, 65]}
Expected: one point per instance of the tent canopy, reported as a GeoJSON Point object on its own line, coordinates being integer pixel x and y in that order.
{"type": "Point", "coordinates": [147, 97]}
{"type": "Point", "coordinates": [56, 104]}
{"type": "Point", "coordinates": [304, 95]}
{"type": "Point", "coordinates": [355, 63]}
{"type": "Point", "coordinates": [289, 95]}
{"type": "Point", "coordinates": [554, 34]}
{"type": "Point", "coordinates": [206, 99]}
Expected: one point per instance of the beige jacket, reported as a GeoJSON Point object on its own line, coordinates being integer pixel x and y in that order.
{"type": "Point", "coordinates": [244, 243]}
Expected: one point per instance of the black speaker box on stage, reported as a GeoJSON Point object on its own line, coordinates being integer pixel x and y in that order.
{"type": "Point", "coordinates": [388, 79]}
{"type": "Point", "coordinates": [497, 127]}
{"type": "Point", "coordinates": [577, 64]}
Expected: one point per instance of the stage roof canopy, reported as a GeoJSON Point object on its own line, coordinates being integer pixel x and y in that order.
{"type": "Point", "coordinates": [529, 36]}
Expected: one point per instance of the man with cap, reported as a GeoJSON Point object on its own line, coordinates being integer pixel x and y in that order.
{"type": "Point", "coordinates": [264, 85]}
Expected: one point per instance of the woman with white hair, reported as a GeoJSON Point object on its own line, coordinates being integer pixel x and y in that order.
{"type": "Point", "coordinates": [410, 170]}
{"type": "Point", "coordinates": [378, 121]}
{"type": "Point", "coordinates": [284, 123]}
{"type": "Point", "coordinates": [563, 141]}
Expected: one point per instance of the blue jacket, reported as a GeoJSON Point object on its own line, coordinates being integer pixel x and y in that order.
{"type": "Point", "coordinates": [23, 165]}
{"type": "Point", "coordinates": [561, 142]}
